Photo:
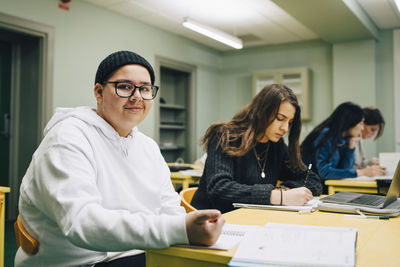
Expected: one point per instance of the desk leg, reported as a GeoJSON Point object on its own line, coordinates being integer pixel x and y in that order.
{"type": "Point", "coordinates": [331, 190]}
{"type": "Point", "coordinates": [2, 221]}
{"type": "Point", "coordinates": [185, 184]}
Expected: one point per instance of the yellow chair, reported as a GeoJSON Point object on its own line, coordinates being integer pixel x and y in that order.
{"type": "Point", "coordinates": [3, 191]}
{"type": "Point", "coordinates": [28, 243]}
{"type": "Point", "coordinates": [186, 198]}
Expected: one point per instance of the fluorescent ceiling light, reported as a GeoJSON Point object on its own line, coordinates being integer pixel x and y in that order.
{"type": "Point", "coordinates": [213, 33]}
{"type": "Point", "coordinates": [397, 2]}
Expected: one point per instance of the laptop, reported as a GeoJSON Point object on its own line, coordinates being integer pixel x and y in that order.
{"type": "Point", "coordinates": [370, 202]}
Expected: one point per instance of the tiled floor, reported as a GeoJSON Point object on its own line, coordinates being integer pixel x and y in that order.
{"type": "Point", "coordinates": [10, 246]}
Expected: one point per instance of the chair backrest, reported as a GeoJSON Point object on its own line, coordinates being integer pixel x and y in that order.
{"type": "Point", "coordinates": [186, 198]}
{"type": "Point", "coordinates": [28, 243]}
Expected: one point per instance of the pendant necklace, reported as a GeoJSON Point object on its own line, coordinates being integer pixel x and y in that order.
{"type": "Point", "coordinates": [259, 160]}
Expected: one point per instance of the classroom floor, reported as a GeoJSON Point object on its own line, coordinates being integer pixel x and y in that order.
{"type": "Point", "coordinates": [10, 246]}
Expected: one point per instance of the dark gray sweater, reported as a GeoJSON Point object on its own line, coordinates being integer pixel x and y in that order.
{"type": "Point", "coordinates": [227, 179]}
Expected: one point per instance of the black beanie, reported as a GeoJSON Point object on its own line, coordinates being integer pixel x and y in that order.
{"type": "Point", "coordinates": [119, 59]}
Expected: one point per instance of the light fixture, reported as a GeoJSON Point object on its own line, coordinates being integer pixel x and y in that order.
{"type": "Point", "coordinates": [397, 2]}
{"type": "Point", "coordinates": [213, 33]}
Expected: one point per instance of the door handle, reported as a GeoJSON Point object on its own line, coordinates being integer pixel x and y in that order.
{"type": "Point", "coordinates": [6, 128]}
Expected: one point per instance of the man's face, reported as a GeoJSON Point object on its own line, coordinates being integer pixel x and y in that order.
{"type": "Point", "coordinates": [123, 113]}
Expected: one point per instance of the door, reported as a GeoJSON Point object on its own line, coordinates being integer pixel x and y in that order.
{"type": "Point", "coordinates": [5, 99]}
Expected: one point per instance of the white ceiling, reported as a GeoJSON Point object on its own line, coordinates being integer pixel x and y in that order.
{"type": "Point", "coordinates": [256, 22]}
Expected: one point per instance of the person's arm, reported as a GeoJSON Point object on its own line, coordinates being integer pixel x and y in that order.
{"type": "Point", "coordinates": [295, 177]}
{"type": "Point", "coordinates": [67, 193]}
{"type": "Point", "coordinates": [337, 166]}
{"type": "Point", "coordinates": [346, 154]}
{"type": "Point", "coordinates": [359, 157]}
{"type": "Point", "coordinates": [204, 226]}
{"type": "Point", "coordinates": [301, 191]}
{"type": "Point", "coordinates": [222, 185]}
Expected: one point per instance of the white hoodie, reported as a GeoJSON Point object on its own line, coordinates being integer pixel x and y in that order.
{"type": "Point", "coordinates": [89, 192]}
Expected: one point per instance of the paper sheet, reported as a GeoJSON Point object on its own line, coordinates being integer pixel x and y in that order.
{"type": "Point", "coordinates": [194, 173]}
{"type": "Point", "coordinates": [309, 207]}
{"type": "Point", "coordinates": [297, 245]}
{"type": "Point", "coordinates": [389, 160]}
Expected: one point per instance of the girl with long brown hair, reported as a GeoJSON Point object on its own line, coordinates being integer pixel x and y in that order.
{"type": "Point", "coordinates": [247, 156]}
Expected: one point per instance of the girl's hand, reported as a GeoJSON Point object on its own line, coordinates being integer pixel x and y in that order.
{"type": "Point", "coordinates": [353, 140]}
{"type": "Point", "coordinates": [292, 197]}
{"type": "Point", "coordinates": [296, 196]}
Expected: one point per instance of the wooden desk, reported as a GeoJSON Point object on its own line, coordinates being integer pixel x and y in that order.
{"type": "Point", "coordinates": [358, 186]}
{"type": "Point", "coordinates": [184, 180]}
{"type": "Point", "coordinates": [3, 191]}
{"type": "Point", "coordinates": [378, 241]}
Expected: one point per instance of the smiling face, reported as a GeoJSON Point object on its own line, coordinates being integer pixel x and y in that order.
{"type": "Point", "coordinates": [123, 113]}
{"type": "Point", "coordinates": [369, 131]}
{"type": "Point", "coordinates": [281, 123]}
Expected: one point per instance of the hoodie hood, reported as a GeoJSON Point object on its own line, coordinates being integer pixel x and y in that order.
{"type": "Point", "coordinates": [90, 117]}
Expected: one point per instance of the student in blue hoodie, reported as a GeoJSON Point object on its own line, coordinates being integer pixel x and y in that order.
{"type": "Point", "coordinates": [330, 147]}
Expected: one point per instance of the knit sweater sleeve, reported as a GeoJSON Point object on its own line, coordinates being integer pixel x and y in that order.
{"type": "Point", "coordinates": [295, 177]}
{"type": "Point", "coordinates": [223, 184]}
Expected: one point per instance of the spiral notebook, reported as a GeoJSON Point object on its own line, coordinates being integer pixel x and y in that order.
{"type": "Point", "coordinates": [230, 236]}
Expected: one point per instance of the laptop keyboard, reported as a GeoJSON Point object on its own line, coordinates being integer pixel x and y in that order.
{"type": "Point", "coordinates": [370, 200]}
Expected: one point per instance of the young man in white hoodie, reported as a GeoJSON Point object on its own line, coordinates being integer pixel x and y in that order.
{"type": "Point", "coordinates": [97, 189]}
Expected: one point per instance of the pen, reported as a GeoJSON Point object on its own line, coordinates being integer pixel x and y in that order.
{"type": "Point", "coordinates": [308, 172]}
{"type": "Point", "coordinates": [381, 217]}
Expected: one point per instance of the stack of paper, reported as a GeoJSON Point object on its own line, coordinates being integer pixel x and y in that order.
{"type": "Point", "coordinates": [193, 173]}
{"type": "Point", "coordinates": [310, 206]}
{"type": "Point", "coordinates": [297, 245]}
{"type": "Point", "coordinates": [389, 161]}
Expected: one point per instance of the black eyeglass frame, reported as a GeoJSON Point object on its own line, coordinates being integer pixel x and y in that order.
{"type": "Point", "coordinates": [134, 89]}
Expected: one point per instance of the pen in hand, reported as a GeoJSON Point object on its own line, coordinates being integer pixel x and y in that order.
{"type": "Point", "coordinates": [308, 172]}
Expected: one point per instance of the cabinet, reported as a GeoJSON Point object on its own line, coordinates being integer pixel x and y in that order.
{"type": "Point", "coordinates": [296, 79]}
{"type": "Point", "coordinates": [176, 110]}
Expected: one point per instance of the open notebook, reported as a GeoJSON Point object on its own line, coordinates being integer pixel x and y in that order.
{"type": "Point", "coordinates": [297, 245]}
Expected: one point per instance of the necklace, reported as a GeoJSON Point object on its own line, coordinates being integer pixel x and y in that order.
{"type": "Point", "coordinates": [259, 160]}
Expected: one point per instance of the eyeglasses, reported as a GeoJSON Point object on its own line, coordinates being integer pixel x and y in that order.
{"type": "Point", "coordinates": [127, 89]}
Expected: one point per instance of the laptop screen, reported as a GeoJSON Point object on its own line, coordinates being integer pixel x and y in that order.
{"type": "Point", "coordinates": [394, 189]}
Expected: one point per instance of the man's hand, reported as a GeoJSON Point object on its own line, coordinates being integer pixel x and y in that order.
{"type": "Point", "coordinates": [203, 227]}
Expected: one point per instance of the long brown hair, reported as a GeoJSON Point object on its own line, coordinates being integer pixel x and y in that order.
{"type": "Point", "coordinates": [251, 122]}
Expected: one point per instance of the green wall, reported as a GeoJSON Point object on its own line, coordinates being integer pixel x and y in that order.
{"type": "Point", "coordinates": [354, 73]}
{"type": "Point", "coordinates": [87, 33]}
{"type": "Point", "coordinates": [384, 92]}
{"type": "Point", "coordinates": [360, 71]}
{"type": "Point", "coordinates": [239, 66]}
{"type": "Point", "coordinates": [354, 77]}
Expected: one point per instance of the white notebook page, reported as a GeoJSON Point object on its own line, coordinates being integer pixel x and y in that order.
{"type": "Point", "coordinates": [297, 245]}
